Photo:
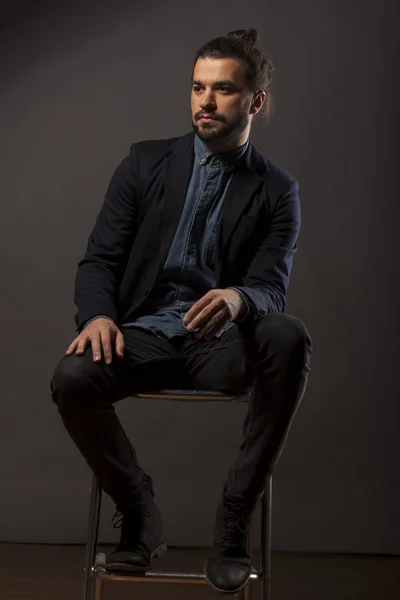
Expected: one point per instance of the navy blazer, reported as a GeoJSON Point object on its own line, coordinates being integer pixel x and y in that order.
{"type": "Point", "coordinates": [128, 246]}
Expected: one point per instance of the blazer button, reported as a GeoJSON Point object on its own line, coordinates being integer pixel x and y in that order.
{"type": "Point", "coordinates": [146, 292]}
{"type": "Point", "coordinates": [262, 311]}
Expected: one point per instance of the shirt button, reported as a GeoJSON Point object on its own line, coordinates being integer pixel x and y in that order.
{"type": "Point", "coordinates": [209, 187]}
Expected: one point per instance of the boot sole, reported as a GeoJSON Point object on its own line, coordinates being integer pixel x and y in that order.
{"type": "Point", "coordinates": [121, 566]}
{"type": "Point", "coordinates": [221, 591]}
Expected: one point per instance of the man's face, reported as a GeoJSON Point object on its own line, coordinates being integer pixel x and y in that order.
{"type": "Point", "coordinates": [220, 91]}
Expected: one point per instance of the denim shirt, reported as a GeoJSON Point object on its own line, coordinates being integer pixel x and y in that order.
{"type": "Point", "coordinates": [188, 272]}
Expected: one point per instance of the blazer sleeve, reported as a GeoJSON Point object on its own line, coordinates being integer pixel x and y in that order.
{"type": "Point", "coordinates": [267, 279]}
{"type": "Point", "coordinates": [100, 271]}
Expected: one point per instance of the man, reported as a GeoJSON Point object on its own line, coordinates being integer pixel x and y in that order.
{"type": "Point", "coordinates": [183, 284]}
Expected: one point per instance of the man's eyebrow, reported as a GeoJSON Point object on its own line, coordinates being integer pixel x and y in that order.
{"type": "Point", "coordinates": [227, 82]}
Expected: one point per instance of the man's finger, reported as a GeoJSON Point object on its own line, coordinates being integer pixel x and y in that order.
{"type": "Point", "coordinates": [119, 344]}
{"type": "Point", "coordinates": [204, 317]}
{"type": "Point", "coordinates": [198, 307]}
{"type": "Point", "coordinates": [216, 321]}
{"type": "Point", "coordinates": [72, 347]}
{"type": "Point", "coordinates": [96, 346]}
{"type": "Point", "coordinates": [218, 327]}
{"type": "Point", "coordinates": [82, 343]}
{"type": "Point", "coordinates": [106, 344]}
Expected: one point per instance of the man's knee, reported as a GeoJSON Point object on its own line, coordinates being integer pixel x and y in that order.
{"type": "Point", "coordinates": [285, 330]}
{"type": "Point", "coordinates": [70, 379]}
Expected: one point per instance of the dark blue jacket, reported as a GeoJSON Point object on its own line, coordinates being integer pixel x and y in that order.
{"type": "Point", "coordinates": [129, 244]}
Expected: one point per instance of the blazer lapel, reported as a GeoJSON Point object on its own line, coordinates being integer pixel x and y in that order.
{"type": "Point", "coordinates": [177, 174]}
{"type": "Point", "coordinates": [240, 196]}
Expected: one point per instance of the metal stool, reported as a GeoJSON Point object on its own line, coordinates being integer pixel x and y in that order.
{"type": "Point", "coordinates": [95, 573]}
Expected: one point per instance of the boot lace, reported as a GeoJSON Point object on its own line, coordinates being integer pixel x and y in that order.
{"type": "Point", "coordinates": [233, 525]}
{"type": "Point", "coordinates": [132, 524]}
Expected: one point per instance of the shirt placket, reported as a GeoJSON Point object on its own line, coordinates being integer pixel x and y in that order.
{"type": "Point", "coordinates": [189, 261]}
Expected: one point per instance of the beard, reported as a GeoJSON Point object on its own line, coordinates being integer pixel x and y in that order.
{"type": "Point", "coordinates": [221, 131]}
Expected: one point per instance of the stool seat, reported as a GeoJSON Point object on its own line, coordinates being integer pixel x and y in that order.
{"type": "Point", "coordinates": [95, 572]}
{"type": "Point", "coordinates": [197, 395]}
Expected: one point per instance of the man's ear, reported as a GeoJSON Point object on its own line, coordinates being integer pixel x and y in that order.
{"type": "Point", "coordinates": [258, 101]}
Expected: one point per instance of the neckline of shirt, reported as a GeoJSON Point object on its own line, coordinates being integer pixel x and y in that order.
{"type": "Point", "coordinates": [225, 160]}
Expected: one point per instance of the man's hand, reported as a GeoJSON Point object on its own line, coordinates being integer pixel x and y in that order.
{"type": "Point", "coordinates": [213, 311]}
{"type": "Point", "coordinates": [102, 334]}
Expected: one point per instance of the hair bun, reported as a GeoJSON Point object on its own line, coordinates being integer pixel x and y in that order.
{"type": "Point", "coordinates": [250, 36]}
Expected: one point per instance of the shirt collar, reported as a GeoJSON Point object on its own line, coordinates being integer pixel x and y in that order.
{"type": "Point", "coordinates": [226, 160]}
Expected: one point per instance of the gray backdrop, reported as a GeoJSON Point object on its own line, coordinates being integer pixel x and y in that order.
{"type": "Point", "coordinates": [78, 86]}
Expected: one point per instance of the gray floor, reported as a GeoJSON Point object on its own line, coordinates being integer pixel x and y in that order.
{"type": "Point", "coordinates": [44, 572]}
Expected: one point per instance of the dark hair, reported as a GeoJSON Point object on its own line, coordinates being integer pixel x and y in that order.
{"type": "Point", "coordinates": [241, 44]}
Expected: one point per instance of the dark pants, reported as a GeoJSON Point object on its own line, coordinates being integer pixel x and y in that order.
{"type": "Point", "coordinates": [273, 356]}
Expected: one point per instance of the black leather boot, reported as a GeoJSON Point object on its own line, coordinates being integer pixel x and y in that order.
{"type": "Point", "coordinates": [229, 567]}
{"type": "Point", "coordinates": [142, 535]}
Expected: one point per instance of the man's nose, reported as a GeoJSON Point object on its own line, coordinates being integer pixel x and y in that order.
{"type": "Point", "coordinates": [208, 99]}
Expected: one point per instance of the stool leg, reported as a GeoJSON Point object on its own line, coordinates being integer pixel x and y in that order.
{"type": "Point", "coordinates": [266, 507]}
{"type": "Point", "coordinates": [246, 595]}
{"type": "Point", "coordinates": [246, 592]}
{"type": "Point", "coordinates": [98, 589]}
{"type": "Point", "coordinates": [91, 541]}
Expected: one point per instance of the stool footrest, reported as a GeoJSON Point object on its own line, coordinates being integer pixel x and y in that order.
{"type": "Point", "coordinates": [101, 572]}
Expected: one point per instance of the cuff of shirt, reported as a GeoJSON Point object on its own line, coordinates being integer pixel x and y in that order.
{"type": "Point", "coordinates": [96, 317]}
{"type": "Point", "coordinates": [246, 301]}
